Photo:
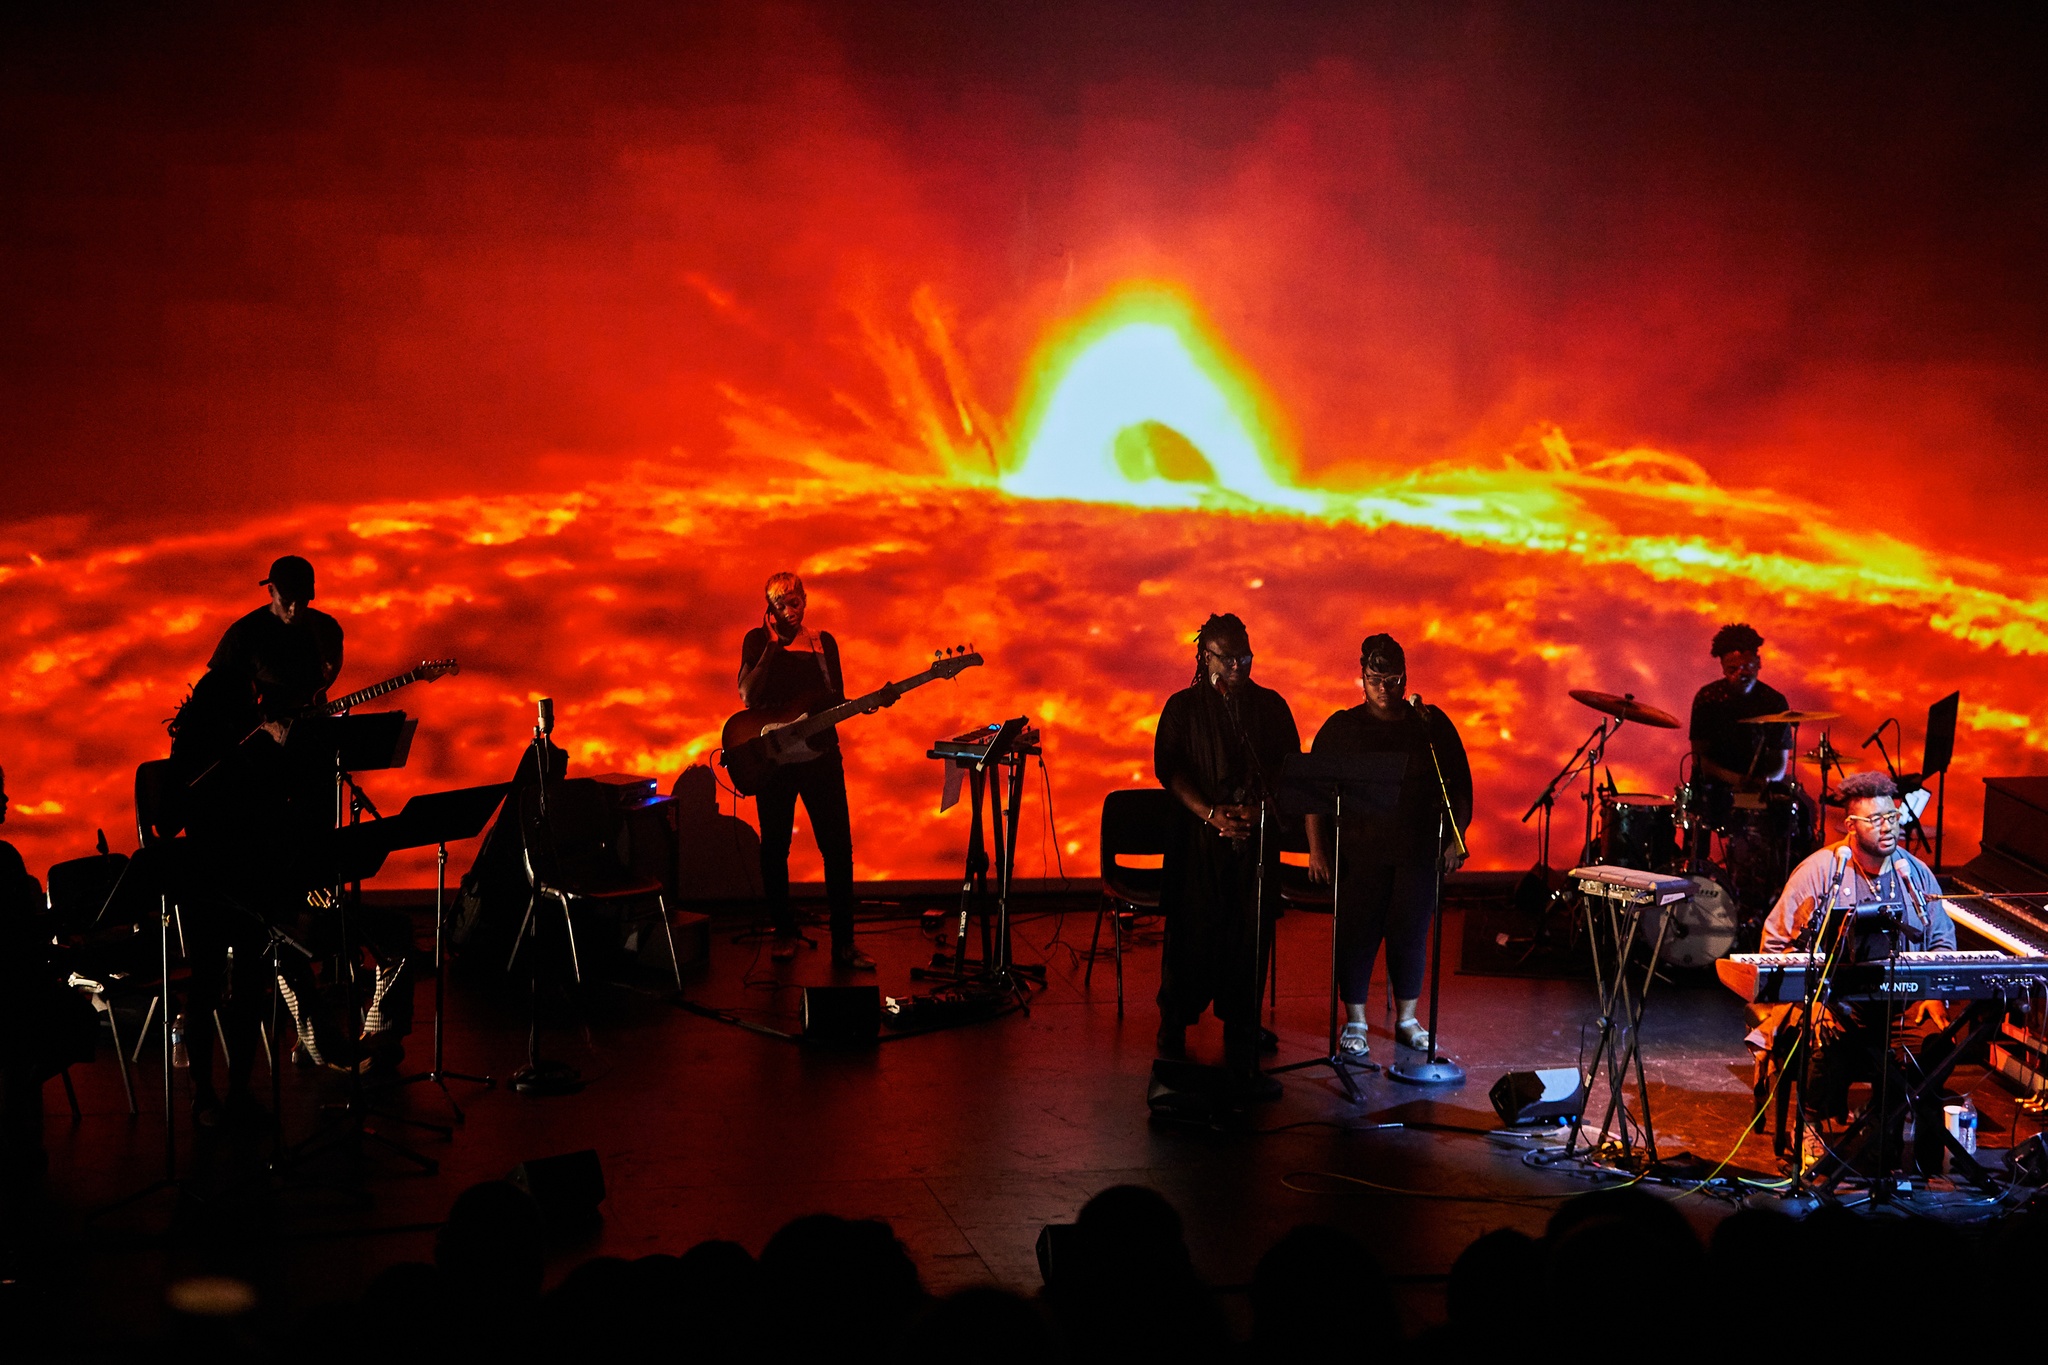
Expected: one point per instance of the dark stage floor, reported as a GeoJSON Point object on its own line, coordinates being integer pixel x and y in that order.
{"type": "Point", "coordinates": [967, 1141]}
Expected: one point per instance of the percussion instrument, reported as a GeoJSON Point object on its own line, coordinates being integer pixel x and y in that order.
{"type": "Point", "coordinates": [1790, 717]}
{"type": "Point", "coordinates": [1625, 706]}
{"type": "Point", "coordinates": [1639, 829]}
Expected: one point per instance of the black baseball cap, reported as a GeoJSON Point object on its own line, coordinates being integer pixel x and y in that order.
{"type": "Point", "coordinates": [292, 576]}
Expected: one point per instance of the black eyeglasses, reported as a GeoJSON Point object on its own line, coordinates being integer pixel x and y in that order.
{"type": "Point", "coordinates": [1229, 660]}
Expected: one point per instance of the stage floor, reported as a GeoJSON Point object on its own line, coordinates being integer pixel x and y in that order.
{"type": "Point", "coordinates": [967, 1141]}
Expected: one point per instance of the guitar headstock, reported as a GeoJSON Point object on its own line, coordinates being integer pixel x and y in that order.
{"type": "Point", "coordinates": [432, 669]}
{"type": "Point", "coordinates": [951, 663]}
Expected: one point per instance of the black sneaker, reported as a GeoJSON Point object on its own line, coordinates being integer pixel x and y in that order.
{"type": "Point", "coordinates": [853, 959]}
{"type": "Point", "coordinates": [1256, 1087]}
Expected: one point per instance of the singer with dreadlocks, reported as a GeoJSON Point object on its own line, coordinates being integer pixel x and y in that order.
{"type": "Point", "coordinates": [1218, 749]}
{"type": "Point", "coordinates": [1390, 858]}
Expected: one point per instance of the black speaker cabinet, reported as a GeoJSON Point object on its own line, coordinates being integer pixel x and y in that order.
{"type": "Point", "coordinates": [842, 1015]}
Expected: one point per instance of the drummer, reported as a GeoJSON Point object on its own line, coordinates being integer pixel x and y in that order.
{"type": "Point", "coordinates": [1724, 750]}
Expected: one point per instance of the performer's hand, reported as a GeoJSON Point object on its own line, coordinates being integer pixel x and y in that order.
{"type": "Point", "coordinates": [1453, 860]}
{"type": "Point", "coordinates": [1233, 822]}
{"type": "Point", "coordinates": [277, 729]}
{"type": "Point", "coordinates": [891, 694]}
{"type": "Point", "coordinates": [1319, 867]}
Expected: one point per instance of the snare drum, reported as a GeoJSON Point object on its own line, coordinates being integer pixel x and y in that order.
{"type": "Point", "coordinates": [1639, 830]}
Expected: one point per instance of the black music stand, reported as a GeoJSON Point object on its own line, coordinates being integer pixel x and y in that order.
{"type": "Point", "coordinates": [360, 742]}
{"type": "Point", "coordinates": [1312, 784]}
{"type": "Point", "coordinates": [440, 819]}
{"type": "Point", "coordinates": [1936, 753]}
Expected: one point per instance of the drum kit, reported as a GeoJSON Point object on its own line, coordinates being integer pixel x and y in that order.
{"type": "Point", "coordinates": [1735, 846]}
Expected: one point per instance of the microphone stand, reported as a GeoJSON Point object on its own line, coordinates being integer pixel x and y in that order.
{"type": "Point", "coordinates": [1816, 926]}
{"type": "Point", "coordinates": [1266, 797]}
{"type": "Point", "coordinates": [1436, 1070]}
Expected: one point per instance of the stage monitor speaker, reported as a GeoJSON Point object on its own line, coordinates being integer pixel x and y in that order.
{"type": "Point", "coordinates": [1556, 1095]}
{"type": "Point", "coordinates": [1188, 1091]}
{"type": "Point", "coordinates": [567, 1189]}
{"type": "Point", "coordinates": [842, 1015]}
{"type": "Point", "coordinates": [2028, 1162]}
{"type": "Point", "coordinates": [1055, 1251]}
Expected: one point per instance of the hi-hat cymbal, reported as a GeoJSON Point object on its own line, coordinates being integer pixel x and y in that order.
{"type": "Point", "coordinates": [1626, 707]}
{"type": "Point", "coordinates": [1791, 717]}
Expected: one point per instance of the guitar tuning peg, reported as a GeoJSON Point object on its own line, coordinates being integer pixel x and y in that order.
{"type": "Point", "coordinates": [936, 653]}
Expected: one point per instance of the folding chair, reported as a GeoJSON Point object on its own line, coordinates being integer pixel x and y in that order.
{"type": "Point", "coordinates": [1134, 825]}
{"type": "Point", "coordinates": [571, 856]}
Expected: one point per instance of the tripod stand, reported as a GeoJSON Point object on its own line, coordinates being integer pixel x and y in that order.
{"type": "Point", "coordinates": [442, 818]}
{"type": "Point", "coordinates": [1316, 785]}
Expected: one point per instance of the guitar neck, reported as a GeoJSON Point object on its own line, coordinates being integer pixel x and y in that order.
{"type": "Point", "coordinates": [371, 693]}
{"type": "Point", "coordinates": [811, 725]}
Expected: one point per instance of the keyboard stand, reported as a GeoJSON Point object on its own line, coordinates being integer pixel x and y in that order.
{"type": "Point", "coordinates": [1621, 1017]}
{"type": "Point", "coordinates": [1969, 1028]}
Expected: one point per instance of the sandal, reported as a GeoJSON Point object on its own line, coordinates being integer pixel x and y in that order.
{"type": "Point", "coordinates": [1352, 1042]}
{"type": "Point", "coordinates": [1410, 1033]}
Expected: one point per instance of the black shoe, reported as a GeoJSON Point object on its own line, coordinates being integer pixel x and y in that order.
{"type": "Point", "coordinates": [382, 1056]}
{"type": "Point", "coordinates": [853, 959]}
{"type": "Point", "coordinates": [783, 949]}
{"type": "Point", "coordinates": [1172, 1042]}
{"type": "Point", "coordinates": [1269, 1041]}
{"type": "Point", "coordinates": [1254, 1086]}
{"type": "Point", "coordinates": [207, 1110]}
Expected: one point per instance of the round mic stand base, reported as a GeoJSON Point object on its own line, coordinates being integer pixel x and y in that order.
{"type": "Point", "coordinates": [547, 1078]}
{"type": "Point", "coordinates": [1429, 1071]}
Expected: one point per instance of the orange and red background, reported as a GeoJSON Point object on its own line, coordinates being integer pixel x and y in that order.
{"type": "Point", "coordinates": [1548, 338]}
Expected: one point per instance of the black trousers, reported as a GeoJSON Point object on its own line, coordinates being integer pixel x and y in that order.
{"type": "Point", "coordinates": [228, 948]}
{"type": "Point", "coordinates": [821, 783]}
{"type": "Point", "coordinates": [1387, 903]}
{"type": "Point", "coordinates": [1217, 942]}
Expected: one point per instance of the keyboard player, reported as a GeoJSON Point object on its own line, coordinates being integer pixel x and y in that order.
{"type": "Point", "coordinates": [1866, 867]}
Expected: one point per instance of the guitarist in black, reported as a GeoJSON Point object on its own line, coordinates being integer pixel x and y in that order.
{"type": "Point", "coordinates": [785, 664]}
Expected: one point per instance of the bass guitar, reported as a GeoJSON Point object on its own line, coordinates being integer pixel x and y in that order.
{"type": "Point", "coordinates": [756, 743]}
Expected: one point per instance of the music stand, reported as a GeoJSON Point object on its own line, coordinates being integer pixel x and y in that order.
{"type": "Point", "coordinates": [442, 818]}
{"type": "Point", "coordinates": [363, 742]}
{"type": "Point", "coordinates": [1316, 784]}
{"type": "Point", "coordinates": [1935, 756]}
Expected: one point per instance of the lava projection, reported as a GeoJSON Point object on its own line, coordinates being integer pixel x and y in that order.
{"type": "Point", "coordinates": [547, 366]}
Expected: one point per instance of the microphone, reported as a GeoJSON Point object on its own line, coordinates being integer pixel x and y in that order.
{"type": "Point", "coordinates": [1416, 702]}
{"type": "Point", "coordinates": [1874, 734]}
{"type": "Point", "coordinates": [546, 725]}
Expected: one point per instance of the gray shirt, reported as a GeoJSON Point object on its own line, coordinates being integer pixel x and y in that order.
{"type": "Point", "coordinates": [1810, 881]}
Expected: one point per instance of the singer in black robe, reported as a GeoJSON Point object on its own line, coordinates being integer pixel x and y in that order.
{"type": "Point", "coordinates": [1219, 747]}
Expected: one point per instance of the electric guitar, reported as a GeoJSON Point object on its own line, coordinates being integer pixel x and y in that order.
{"type": "Point", "coordinates": [758, 742]}
{"type": "Point", "coordinates": [428, 671]}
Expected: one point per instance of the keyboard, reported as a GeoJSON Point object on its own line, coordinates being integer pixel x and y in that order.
{"type": "Point", "coordinates": [1629, 885]}
{"type": "Point", "coordinates": [1780, 978]}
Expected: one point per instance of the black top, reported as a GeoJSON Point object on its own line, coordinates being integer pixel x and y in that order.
{"type": "Point", "coordinates": [1717, 731]}
{"type": "Point", "coordinates": [799, 680]}
{"type": "Point", "coordinates": [1407, 835]}
{"type": "Point", "coordinates": [1198, 739]}
{"type": "Point", "coordinates": [283, 668]}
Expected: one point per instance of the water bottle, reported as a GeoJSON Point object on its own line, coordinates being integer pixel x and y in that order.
{"type": "Point", "coordinates": [178, 1057]}
{"type": "Point", "coordinates": [1968, 1135]}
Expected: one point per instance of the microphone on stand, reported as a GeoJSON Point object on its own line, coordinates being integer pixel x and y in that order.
{"type": "Point", "coordinates": [1874, 734]}
{"type": "Point", "coordinates": [546, 725]}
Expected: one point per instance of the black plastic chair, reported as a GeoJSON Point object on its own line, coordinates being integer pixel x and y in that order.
{"type": "Point", "coordinates": [80, 890]}
{"type": "Point", "coordinates": [572, 855]}
{"type": "Point", "coordinates": [1134, 825]}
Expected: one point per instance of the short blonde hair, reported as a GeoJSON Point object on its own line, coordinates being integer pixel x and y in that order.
{"type": "Point", "coordinates": [782, 585]}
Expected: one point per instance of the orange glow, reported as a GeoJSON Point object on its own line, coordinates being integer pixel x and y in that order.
{"type": "Point", "coordinates": [548, 354]}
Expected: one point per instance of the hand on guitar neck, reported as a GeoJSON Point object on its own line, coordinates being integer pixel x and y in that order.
{"type": "Point", "coordinates": [757, 742]}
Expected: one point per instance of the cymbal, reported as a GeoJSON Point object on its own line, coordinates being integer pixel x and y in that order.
{"type": "Point", "coordinates": [1627, 707]}
{"type": "Point", "coordinates": [1790, 717]}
